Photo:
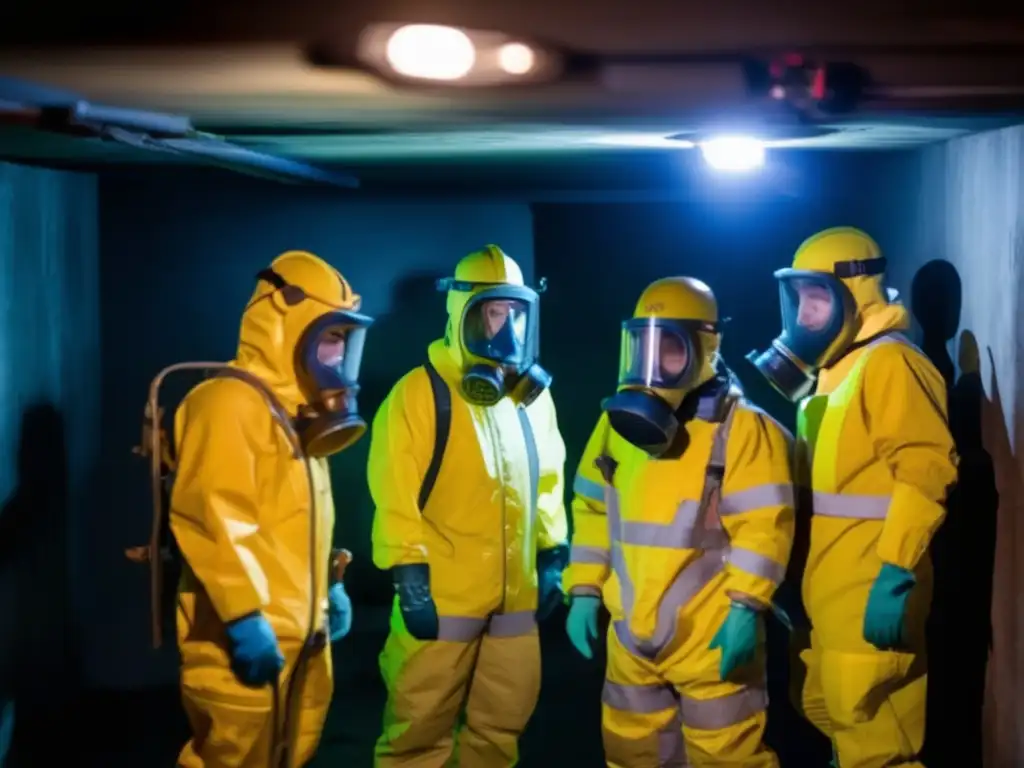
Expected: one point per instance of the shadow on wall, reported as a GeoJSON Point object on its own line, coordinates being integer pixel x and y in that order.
{"type": "Point", "coordinates": [398, 343]}
{"type": "Point", "coordinates": [39, 662]}
{"type": "Point", "coordinates": [963, 550]}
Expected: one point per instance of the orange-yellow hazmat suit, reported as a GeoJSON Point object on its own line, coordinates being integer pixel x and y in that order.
{"type": "Point", "coordinates": [670, 543]}
{"type": "Point", "coordinates": [480, 532]}
{"type": "Point", "coordinates": [252, 538]}
{"type": "Point", "coordinates": [876, 455]}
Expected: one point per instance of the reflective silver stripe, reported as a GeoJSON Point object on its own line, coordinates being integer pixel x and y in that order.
{"type": "Point", "coordinates": [756, 564]}
{"type": "Point", "coordinates": [700, 714]}
{"type": "Point", "coordinates": [850, 506]}
{"type": "Point", "coordinates": [687, 583]}
{"type": "Point", "coordinates": [588, 489]}
{"type": "Point", "coordinates": [758, 497]}
{"type": "Point", "coordinates": [681, 533]}
{"type": "Point", "coordinates": [716, 714]}
{"type": "Point", "coordinates": [514, 624]}
{"type": "Point", "coordinates": [581, 555]}
{"type": "Point", "coordinates": [639, 699]}
{"type": "Point", "coordinates": [460, 629]}
{"type": "Point", "coordinates": [464, 629]}
{"type": "Point", "coordinates": [585, 591]}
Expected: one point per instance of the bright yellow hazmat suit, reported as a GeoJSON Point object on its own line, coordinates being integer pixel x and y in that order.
{"type": "Point", "coordinates": [250, 446]}
{"type": "Point", "coordinates": [677, 536]}
{"type": "Point", "coordinates": [470, 691]}
{"type": "Point", "coordinates": [876, 455]}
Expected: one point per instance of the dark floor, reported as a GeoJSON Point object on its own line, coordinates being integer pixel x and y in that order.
{"type": "Point", "coordinates": [146, 729]}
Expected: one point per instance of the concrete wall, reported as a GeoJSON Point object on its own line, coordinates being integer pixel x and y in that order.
{"type": "Point", "coordinates": [180, 255]}
{"type": "Point", "coordinates": [956, 238]}
{"type": "Point", "coordinates": [49, 391]}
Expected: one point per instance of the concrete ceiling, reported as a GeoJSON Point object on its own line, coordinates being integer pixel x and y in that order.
{"type": "Point", "coordinates": [242, 70]}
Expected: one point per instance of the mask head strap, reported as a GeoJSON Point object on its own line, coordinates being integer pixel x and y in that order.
{"type": "Point", "coordinates": [292, 294]}
{"type": "Point", "coordinates": [861, 268]}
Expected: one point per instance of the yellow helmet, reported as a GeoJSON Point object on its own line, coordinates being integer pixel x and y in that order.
{"type": "Point", "coordinates": [835, 284]}
{"type": "Point", "coordinates": [680, 315]}
{"type": "Point", "coordinates": [669, 349]}
{"type": "Point", "coordinates": [493, 324]}
{"type": "Point", "coordinates": [302, 334]}
{"type": "Point", "coordinates": [846, 263]}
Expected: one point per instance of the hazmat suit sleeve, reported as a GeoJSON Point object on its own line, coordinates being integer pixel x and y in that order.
{"type": "Point", "coordinates": [905, 401]}
{"type": "Point", "coordinates": [401, 443]}
{"type": "Point", "coordinates": [756, 506]}
{"type": "Point", "coordinates": [552, 524]}
{"type": "Point", "coordinates": [221, 429]}
{"type": "Point", "coordinates": [590, 554]}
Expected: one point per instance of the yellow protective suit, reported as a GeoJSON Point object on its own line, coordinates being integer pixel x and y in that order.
{"type": "Point", "coordinates": [637, 525]}
{"type": "Point", "coordinates": [251, 537]}
{"type": "Point", "coordinates": [480, 538]}
{"type": "Point", "coordinates": [875, 451]}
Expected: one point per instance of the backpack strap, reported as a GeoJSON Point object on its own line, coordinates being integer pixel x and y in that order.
{"type": "Point", "coordinates": [708, 518]}
{"type": "Point", "coordinates": [442, 430]}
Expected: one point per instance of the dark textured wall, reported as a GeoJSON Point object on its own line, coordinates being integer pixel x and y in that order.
{"type": "Point", "coordinates": [49, 424]}
{"type": "Point", "coordinates": [180, 254]}
{"type": "Point", "coordinates": [957, 219]}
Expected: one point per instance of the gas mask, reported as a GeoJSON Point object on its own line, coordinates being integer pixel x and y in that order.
{"type": "Point", "coordinates": [497, 336]}
{"type": "Point", "coordinates": [818, 324]}
{"type": "Point", "coordinates": [660, 362]}
{"type": "Point", "coordinates": [327, 361]}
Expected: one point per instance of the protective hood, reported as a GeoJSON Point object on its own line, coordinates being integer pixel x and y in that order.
{"type": "Point", "coordinates": [299, 296]}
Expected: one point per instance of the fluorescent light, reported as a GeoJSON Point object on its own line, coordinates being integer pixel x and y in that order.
{"type": "Point", "coordinates": [733, 153]}
{"type": "Point", "coordinates": [516, 58]}
{"type": "Point", "coordinates": [431, 52]}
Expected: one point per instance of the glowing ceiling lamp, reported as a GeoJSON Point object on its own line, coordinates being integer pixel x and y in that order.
{"type": "Point", "coordinates": [516, 58]}
{"type": "Point", "coordinates": [733, 153]}
{"type": "Point", "coordinates": [430, 52]}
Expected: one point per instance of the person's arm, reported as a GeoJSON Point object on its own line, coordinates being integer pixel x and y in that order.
{"type": "Point", "coordinates": [905, 401]}
{"type": "Point", "coordinates": [221, 428]}
{"type": "Point", "coordinates": [552, 523]}
{"type": "Point", "coordinates": [590, 553]}
{"type": "Point", "coordinates": [401, 440]}
{"type": "Point", "coordinates": [756, 507]}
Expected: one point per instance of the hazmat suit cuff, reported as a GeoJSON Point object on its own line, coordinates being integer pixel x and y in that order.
{"type": "Point", "coordinates": [387, 558]}
{"type": "Point", "coordinates": [910, 524]}
{"type": "Point", "coordinates": [584, 590]}
{"type": "Point", "coordinates": [755, 592]}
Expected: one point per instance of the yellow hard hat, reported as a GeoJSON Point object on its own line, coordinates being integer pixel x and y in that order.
{"type": "Point", "coordinates": [680, 313]}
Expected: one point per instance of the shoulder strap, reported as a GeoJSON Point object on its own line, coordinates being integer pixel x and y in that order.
{"type": "Point", "coordinates": [442, 428]}
{"type": "Point", "coordinates": [532, 457]}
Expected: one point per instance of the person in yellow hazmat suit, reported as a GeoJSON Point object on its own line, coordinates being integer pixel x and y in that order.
{"type": "Point", "coordinates": [683, 515]}
{"type": "Point", "coordinates": [252, 513]}
{"type": "Point", "coordinates": [466, 471]}
{"type": "Point", "coordinates": [876, 455]}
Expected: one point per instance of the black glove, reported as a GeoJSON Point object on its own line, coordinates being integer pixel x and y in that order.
{"type": "Point", "coordinates": [550, 564]}
{"type": "Point", "coordinates": [412, 583]}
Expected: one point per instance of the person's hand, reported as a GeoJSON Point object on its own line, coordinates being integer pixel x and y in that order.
{"type": "Point", "coordinates": [737, 639]}
{"type": "Point", "coordinates": [887, 607]}
{"type": "Point", "coordinates": [412, 583]}
{"type": "Point", "coordinates": [256, 658]}
{"type": "Point", "coordinates": [549, 581]}
{"type": "Point", "coordinates": [339, 612]}
{"type": "Point", "coordinates": [581, 625]}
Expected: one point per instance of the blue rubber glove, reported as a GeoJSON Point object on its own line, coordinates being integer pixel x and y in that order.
{"type": "Point", "coordinates": [736, 638]}
{"type": "Point", "coordinates": [581, 625]}
{"type": "Point", "coordinates": [339, 611]}
{"type": "Point", "coordinates": [412, 583]}
{"type": "Point", "coordinates": [887, 607]}
{"type": "Point", "coordinates": [256, 658]}
{"type": "Point", "coordinates": [549, 581]}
